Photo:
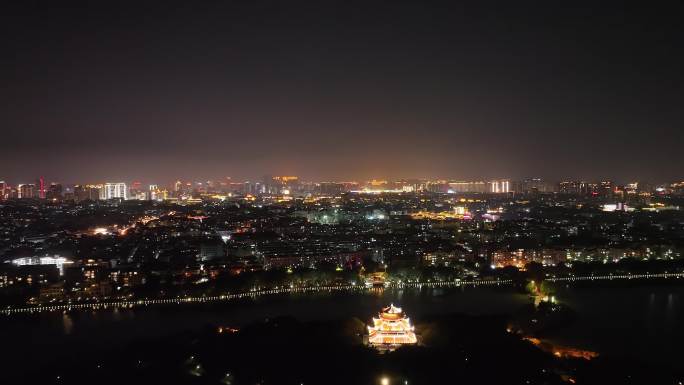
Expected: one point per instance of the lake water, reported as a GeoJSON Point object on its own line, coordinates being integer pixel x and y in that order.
{"type": "Point", "coordinates": [643, 321]}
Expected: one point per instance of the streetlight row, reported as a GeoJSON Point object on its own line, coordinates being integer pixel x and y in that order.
{"type": "Point", "coordinates": [619, 276]}
{"type": "Point", "coordinates": [248, 294]}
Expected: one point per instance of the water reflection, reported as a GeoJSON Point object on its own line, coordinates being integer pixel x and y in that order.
{"type": "Point", "coordinates": [67, 324]}
{"type": "Point", "coordinates": [670, 319]}
{"type": "Point", "coordinates": [639, 320]}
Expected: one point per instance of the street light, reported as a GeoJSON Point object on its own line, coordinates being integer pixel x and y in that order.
{"type": "Point", "coordinates": [384, 381]}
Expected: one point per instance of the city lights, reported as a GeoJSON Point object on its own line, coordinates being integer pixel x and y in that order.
{"type": "Point", "coordinates": [390, 192]}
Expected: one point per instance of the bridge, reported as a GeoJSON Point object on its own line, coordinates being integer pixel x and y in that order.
{"type": "Point", "coordinates": [255, 293]}
{"type": "Point", "coordinates": [573, 278]}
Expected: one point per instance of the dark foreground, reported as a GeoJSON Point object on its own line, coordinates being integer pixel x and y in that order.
{"type": "Point", "coordinates": [457, 349]}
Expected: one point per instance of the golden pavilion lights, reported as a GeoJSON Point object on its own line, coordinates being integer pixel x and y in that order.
{"type": "Point", "coordinates": [391, 330]}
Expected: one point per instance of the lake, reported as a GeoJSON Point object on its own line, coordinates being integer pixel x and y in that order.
{"type": "Point", "coordinates": [642, 321]}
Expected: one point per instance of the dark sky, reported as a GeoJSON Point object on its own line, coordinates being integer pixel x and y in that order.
{"type": "Point", "coordinates": [115, 90]}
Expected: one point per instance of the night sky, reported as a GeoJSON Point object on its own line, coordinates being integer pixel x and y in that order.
{"type": "Point", "coordinates": [339, 90]}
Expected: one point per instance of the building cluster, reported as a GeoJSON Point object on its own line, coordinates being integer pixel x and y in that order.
{"type": "Point", "coordinates": [102, 241]}
{"type": "Point", "coordinates": [292, 186]}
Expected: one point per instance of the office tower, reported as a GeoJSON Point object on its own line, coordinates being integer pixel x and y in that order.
{"type": "Point", "coordinates": [87, 192]}
{"type": "Point", "coordinates": [438, 186]}
{"type": "Point", "coordinates": [54, 192]}
{"type": "Point", "coordinates": [26, 191]}
{"type": "Point", "coordinates": [41, 188]}
{"type": "Point", "coordinates": [499, 186]}
{"type": "Point", "coordinates": [330, 188]}
{"type": "Point", "coordinates": [135, 189]}
{"type": "Point", "coordinates": [534, 185]}
{"type": "Point", "coordinates": [467, 187]}
{"type": "Point", "coordinates": [115, 190]}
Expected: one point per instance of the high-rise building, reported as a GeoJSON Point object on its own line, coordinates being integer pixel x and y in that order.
{"type": "Point", "coordinates": [499, 186]}
{"type": "Point", "coordinates": [577, 187]}
{"type": "Point", "coordinates": [26, 191]}
{"type": "Point", "coordinates": [467, 187]}
{"type": "Point", "coordinates": [330, 188]}
{"type": "Point", "coordinates": [438, 186]}
{"type": "Point", "coordinates": [140, 195]}
{"type": "Point", "coordinates": [114, 190]}
{"type": "Point", "coordinates": [54, 192]}
{"type": "Point", "coordinates": [534, 185]}
{"type": "Point", "coordinates": [87, 192]}
{"type": "Point", "coordinates": [606, 187]}
{"type": "Point", "coordinates": [157, 194]}
{"type": "Point", "coordinates": [135, 189]}
{"type": "Point", "coordinates": [3, 186]}
{"type": "Point", "coordinates": [41, 188]}
{"type": "Point", "coordinates": [254, 188]}
{"type": "Point", "coordinates": [281, 184]}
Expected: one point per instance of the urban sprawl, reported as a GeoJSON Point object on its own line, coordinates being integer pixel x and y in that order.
{"type": "Point", "coordinates": [71, 244]}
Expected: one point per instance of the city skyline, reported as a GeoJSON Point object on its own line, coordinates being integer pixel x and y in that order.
{"type": "Point", "coordinates": [288, 187]}
{"type": "Point", "coordinates": [376, 192]}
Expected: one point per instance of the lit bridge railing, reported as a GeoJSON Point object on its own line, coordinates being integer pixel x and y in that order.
{"type": "Point", "coordinates": [614, 276]}
{"type": "Point", "coordinates": [101, 305]}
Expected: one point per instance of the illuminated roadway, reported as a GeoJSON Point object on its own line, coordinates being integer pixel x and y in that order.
{"type": "Point", "coordinates": [99, 305]}
{"type": "Point", "coordinates": [614, 276]}
{"type": "Point", "coordinates": [233, 296]}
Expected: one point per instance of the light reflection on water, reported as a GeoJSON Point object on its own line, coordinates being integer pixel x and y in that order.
{"type": "Point", "coordinates": [671, 312]}
{"type": "Point", "coordinates": [68, 324]}
{"type": "Point", "coordinates": [639, 320]}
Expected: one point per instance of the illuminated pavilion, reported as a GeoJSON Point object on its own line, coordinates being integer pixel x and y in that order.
{"type": "Point", "coordinates": [391, 330]}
